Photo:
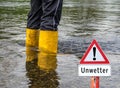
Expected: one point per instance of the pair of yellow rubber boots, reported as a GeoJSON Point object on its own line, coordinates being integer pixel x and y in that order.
{"type": "Point", "coordinates": [46, 42]}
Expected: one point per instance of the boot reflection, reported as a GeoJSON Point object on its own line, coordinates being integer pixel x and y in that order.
{"type": "Point", "coordinates": [30, 54]}
{"type": "Point", "coordinates": [47, 62]}
{"type": "Point", "coordinates": [41, 70]}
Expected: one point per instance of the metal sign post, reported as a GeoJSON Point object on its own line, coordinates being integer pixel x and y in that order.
{"type": "Point", "coordinates": [94, 82]}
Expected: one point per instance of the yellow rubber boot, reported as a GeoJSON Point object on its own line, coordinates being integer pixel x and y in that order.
{"type": "Point", "coordinates": [47, 62]}
{"type": "Point", "coordinates": [48, 42]}
{"type": "Point", "coordinates": [32, 37]}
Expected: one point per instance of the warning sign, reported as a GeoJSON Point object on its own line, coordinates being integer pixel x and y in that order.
{"type": "Point", "coordinates": [94, 62]}
{"type": "Point", "coordinates": [94, 55]}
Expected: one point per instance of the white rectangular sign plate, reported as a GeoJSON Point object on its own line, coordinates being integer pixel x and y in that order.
{"type": "Point", "coordinates": [94, 70]}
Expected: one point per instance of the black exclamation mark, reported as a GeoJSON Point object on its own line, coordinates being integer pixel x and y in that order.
{"type": "Point", "coordinates": [94, 53]}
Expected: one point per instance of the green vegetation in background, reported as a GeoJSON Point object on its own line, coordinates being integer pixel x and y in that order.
{"type": "Point", "coordinates": [12, 12]}
{"type": "Point", "coordinates": [14, 0]}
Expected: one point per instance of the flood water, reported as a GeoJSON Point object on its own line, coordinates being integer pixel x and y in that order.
{"type": "Point", "coordinates": [82, 21]}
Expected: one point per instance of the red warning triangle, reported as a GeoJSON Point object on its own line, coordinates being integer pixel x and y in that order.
{"type": "Point", "coordinates": [94, 55]}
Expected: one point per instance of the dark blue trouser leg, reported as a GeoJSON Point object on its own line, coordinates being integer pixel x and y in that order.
{"type": "Point", "coordinates": [51, 14]}
{"type": "Point", "coordinates": [45, 14]}
{"type": "Point", "coordinates": [34, 16]}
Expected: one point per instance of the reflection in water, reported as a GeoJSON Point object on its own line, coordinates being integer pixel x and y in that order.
{"type": "Point", "coordinates": [41, 70]}
{"type": "Point", "coordinates": [47, 62]}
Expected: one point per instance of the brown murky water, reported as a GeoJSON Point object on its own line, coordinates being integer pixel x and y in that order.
{"type": "Point", "coordinates": [82, 21]}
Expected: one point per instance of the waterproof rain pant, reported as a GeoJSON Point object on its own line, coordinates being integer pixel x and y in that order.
{"type": "Point", "coordinates": [44, 14]}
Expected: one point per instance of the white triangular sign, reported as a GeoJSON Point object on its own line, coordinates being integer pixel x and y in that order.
{"type": "Point", "coordinates": [94, 55]}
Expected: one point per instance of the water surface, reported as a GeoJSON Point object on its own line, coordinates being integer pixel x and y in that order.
{"type": "Point", "coordinates": [82, 21]}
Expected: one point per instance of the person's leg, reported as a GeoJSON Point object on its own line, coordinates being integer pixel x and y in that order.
{"type": "Point", "coordinates": [34, 16]}
{"type": "Point", "coordinates": [48, 39]}
{"type": "Point", "coordinates": [51, 14]}
{"type": "Point", "coordinates": [33, 23]}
